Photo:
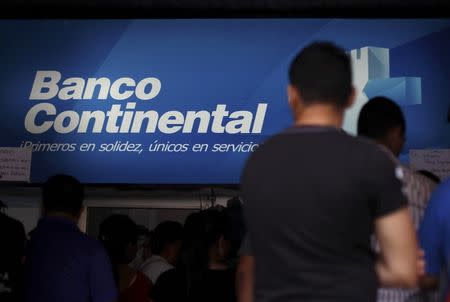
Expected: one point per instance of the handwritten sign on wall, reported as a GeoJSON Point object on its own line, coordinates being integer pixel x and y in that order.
{"type": "Point", "coordinates": [433, 160]}
{"type": "Point", "coordinates": [15, 164]}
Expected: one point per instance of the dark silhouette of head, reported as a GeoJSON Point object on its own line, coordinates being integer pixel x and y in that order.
{"type": "Point", "coordinates": [63, 195]}
{"type": "Point", "coordinates": [382, 120]}
{"type": "Point", "coordinates": [119, 235]}
{"type": "Point", "coordinates": [167, 240]}
{"type": "Point", "coordinates": [320, 74]}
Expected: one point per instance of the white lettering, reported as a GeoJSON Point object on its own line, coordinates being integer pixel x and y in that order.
{"type": "Point", "coordinates": [191, 116]}
{"type": "Point", "coordinates": [73, 119]}
{"type": "Point", "coordinates": [218, 115]}
{"type": "Point", "coordinates": [116, 86]}
{"type": "Point", "coordinates": [87, 116]}
{"type": "Point", "coordinates": [127, 118]}
{"type": "Point", "coordinates": [73, 91]}
{"type": "Point", "coordinates": [259, 118]}
{"type": "Point", "coordinates": [113, 115]}
{"type": "Point", "coordinates": [47, 80]}
{"type": "Point", "coordinates": [30, 118]}
{"type": "Point", "coordinates": [104, 83]}
{"type": "Point", "coordinates": [154, 91]}
{"type": "Point", "coordinates": [242, 123]}
{"type": "Point", "coordinates": [151, 116]}
{"type": "Point", "coordinates": [168, 122]}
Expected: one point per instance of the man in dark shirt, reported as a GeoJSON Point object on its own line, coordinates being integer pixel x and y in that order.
{"type": "Point", "coordinates": [62, 263]}
{"type": "Point", "coordinates": [12, 251]}
{"type": "Point", "coordinates": [313, 196]}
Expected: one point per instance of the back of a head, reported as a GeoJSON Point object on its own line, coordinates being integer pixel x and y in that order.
{"type": "Point", "coordinates": [234, 203]}
{"type": "Point", "coordinates": [378, 117]}
{"type": "Point", "coordinates": [235, 212]}
{"type": "Point", "coordinates": [216, 224]}
{"type": "Point", "coordinates": [166, 233]}
{"type": "Point", "coordinates": [63, 194]}
{"type": "Point", "coordinates": [118, 232]}
{"type": "Point", "coordinates": [322, 73]}
{"type": "Point", "coordinates": [210, 225]}
{"type": "Point", "coordinates": [192, 228]}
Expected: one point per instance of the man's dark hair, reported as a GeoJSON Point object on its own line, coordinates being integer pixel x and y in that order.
{"type": "Point", "coordinates": [322, 73]}
{"type": "Point", "coordinates": [63, 193]}
{"type": "Point", "coordinates": [117, 232]}
{"type": "Point", "coordinates": [378, 116]}
{"type": "Point", "coordinates": [166, 232]}
{"type": "Point", "coordinates": [234, 203]}
{"type": "Point", "coordinates": [210, 225]}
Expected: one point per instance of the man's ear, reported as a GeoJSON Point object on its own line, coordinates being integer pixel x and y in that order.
{"type": "Point", "coordinates": [351, 99]}
{"type": "Point", "coordinates": [292, 95]}
{"type": "Point", "coordinates": [294, 98]}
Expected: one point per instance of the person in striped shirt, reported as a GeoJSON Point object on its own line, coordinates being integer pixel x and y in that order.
{"type": "Point", "coordinates": [382, 120]}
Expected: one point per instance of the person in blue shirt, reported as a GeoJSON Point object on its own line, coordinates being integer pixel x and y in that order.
{"type": "Point", "coordinates": [62, 263]}
{"type": "Point", "coordinates": [434, 235]}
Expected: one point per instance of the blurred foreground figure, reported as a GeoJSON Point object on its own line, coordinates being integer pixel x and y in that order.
{"type": "Point", "coordinates": [62, 263]}
{"type": "Point", "coordinates": [12, 252]}
{"type": "Point", "coordinates": [314, 195]}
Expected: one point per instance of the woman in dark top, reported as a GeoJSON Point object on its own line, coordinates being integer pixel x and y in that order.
{"type": "Point", "coordinates": [119, 235]}
{"type": "Point", "coordinates": [203, 273]}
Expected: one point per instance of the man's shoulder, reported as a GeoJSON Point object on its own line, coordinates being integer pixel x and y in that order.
{"type": "Point", "coordinates": [155, 267]}
{"type": "Point", "coordinates": [375, 148]}
{"type": "Point", "coordinates": [298, 136]}
{"type": "Point", "coordinates": [90, 245]}
{"type": "Point", "coordinates": [11, 224]}
{"type": "Point", "coordinates": [418, 182]}
{"type": "Point", "coordinates": [156, 263]}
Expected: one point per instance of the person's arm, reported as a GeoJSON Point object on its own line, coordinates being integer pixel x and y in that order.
{"type": "Point", "coordinates": [101, 279]}
{"type": "Point", "coordinates": [394, 229]}
{"type": "Point", "coordinates": [397, 264]}
{"type": "Point", "coordinates": [245, 278]}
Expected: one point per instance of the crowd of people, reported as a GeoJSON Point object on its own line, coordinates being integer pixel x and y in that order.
{"type": "Point", "coordinates": [174, 262]}
{"type": "Point", "coordinates": [326, 216]}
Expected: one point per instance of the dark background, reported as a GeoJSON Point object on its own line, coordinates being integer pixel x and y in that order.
{"type": "Point", "coordinates": [218, 8]}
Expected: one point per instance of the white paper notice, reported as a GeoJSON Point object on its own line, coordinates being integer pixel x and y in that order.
{"type": "Point", "coordinates": [15, 164]}
{"type": "Point", "coordinates": [433, 160]}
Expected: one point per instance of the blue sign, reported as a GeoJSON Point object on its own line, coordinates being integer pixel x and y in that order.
{"type": "Point", "coordinates": [187, 101]}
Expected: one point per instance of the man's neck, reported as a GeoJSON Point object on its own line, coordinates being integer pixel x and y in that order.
{"type": "Point", "coordinates": [320, 115]}
{"type": "Point", "coordinates": [63, 215]}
